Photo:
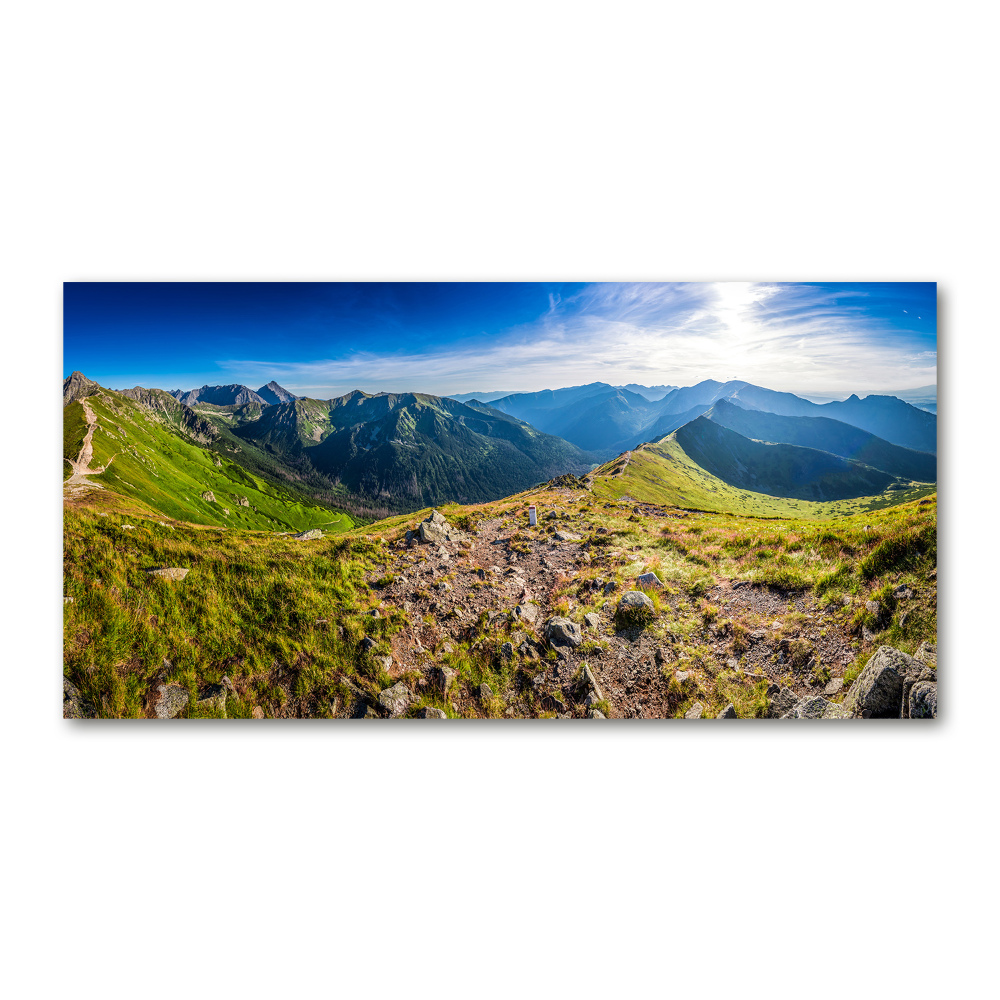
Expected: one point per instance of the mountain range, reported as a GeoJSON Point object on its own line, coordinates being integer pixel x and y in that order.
{"type": "Point", "coordinates": [405, 450]}
{"type": "Point", "coordinates": [607, 420]}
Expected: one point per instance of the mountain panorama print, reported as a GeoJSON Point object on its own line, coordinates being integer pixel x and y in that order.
{"type": "Point", "coordinates": [500, 501]}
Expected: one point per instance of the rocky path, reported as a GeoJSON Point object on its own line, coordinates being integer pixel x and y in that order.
{"type": "Point", "coordinates": [520, 579]}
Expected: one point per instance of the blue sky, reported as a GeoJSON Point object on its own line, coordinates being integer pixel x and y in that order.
{"type": "Point", "coordinates": [325, 339]}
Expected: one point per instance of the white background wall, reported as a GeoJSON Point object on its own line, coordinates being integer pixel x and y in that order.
{"type": "Point", "coordinates": [534, 140]}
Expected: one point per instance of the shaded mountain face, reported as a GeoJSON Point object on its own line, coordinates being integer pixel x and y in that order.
{"type": "Point", "coordinates": [411, 448]}
{"type": "Point", "coordinates": [274, 394]}
{"type": "Point", "coordinates": [219, 395]}
{"type": "Point", "coordinates": [826, 435]}
{"type": "Point", "coordinates": [597, 417]}
{"type": "Point", "coordinates": [889, 418]}
{"type": "Point", "coordinates": [779, 470]}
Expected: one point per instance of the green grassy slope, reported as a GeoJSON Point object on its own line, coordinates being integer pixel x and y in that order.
{"type": "Point", "coordinates": [664, 473]}
{"type": "Point", "coordinates": [148, 460]}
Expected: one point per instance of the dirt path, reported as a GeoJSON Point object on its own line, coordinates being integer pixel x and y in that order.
{"type": "Point", "coordinates": [81, 465]}
{"type": "Point", "coordinates": [445, 588]}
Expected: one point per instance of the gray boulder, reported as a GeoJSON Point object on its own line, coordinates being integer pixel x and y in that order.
{"type": "Point", "coordinates": [209, 496]}
{"type": "Point", "coordinates": [395, 700]}
{"type": "Point", "coordinates": [927, 654]}
{"type": "Point", "coordinates": [596, 713]}
{"type": "Point", "coordinates": [566, 536]}
{"type": "Point", "coordinates": [485, 691]}
{"type": "Point", "coordinates": [729, 712]}
{"type": "Point", "coordinates": [610, 587]}
{"type": "Point", "coordinates": [169, 701]}
{"type": "Point", "coordinates": [592, 620]}
{"type": "Point", "coordinates": [431, 713]}
{"type": "Point", "coordinates": [649, 580]}
{"type": "Point", "coordinates": [308, 536]}
{"type": "Point", "coordinates": [695, 711]}
{"type": "Point", "coordinates": [507, 651]}
{"type": "Point", "coordinates": [436, 528]}
{"type": "Point", "coordinates": [782, 703]}
{"type": "Point", "coordinates": [834, 687]}
{"type": "Point", "coordinates": [634, 602]}
{"type": "Point", "coordinates": [808, 708]}
{"type": "Point", "coordinates": [923, 700]}
{"type": "Point", "coordinates": [563, 632]}
{"type": "Point", "coordinates": [878, 691]}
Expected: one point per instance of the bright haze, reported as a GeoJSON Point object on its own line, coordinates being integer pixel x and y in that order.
{"type": "Point", "coordinates": [324, 339]}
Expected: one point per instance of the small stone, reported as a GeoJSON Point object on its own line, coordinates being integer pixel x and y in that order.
{"type": "Point", "coordinates": [527, 613]}
{"type": "Point", "coordinates": [385, 662]}
{"type": "Point", "coordinates": [834, 687]}
{"type": "Point", "coordinates": [209, 496]}
{"type": "Point", "coordinates": [507, 651]}
{"type": "Point", "coordinates": [729, 712]}
{"type": "Point", "coordinates": [258, 712]}
{"type": "Point", "coordinates": [366, 643]}
{"type": "Point", "coordinates": [596, 713]}
{"type": "Point", "coordinates": [444, 677]}
{"type": "Point", "coordinates": [395, 699]}
{"type": "Point", "coordinates": [170, 700]}
{"type": "Point", "coordinates": [485, 691]}
{"type": "Point", "coordinates": [649, 580]}
{"type": "Point", "coordinates": [175, 573]}
{"type": "Point", "coordinates": [923, 700]}
{"type": "Point", "coordinates": [610, 587]}
{"type": "Point", "coordinates": [566, 536]}
{"type": "Point", "coordinates": [592, 620]}
{"type": "Point", "coordinates": [695, 711]}
{"type": "Point", "coordinates": [681, 676]}
{"type": "Point", "coordinates": [431, 713]}
{"type": "Point", "coordinates": [563, 632]}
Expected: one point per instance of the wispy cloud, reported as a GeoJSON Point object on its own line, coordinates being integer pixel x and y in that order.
{"type": "Point", "coordinates": [789, 337]}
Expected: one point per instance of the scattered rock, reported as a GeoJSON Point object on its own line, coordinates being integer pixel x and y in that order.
{"type": "Point", "coordinates": [695, 711]}
{"type": "Point", "coordinates": [485, 691]}
{"type": "Point", "coordinates": [444, 677]}
{"type": "Point", "coordinates": [902, 593]}
{"type": "Point", "coordinates": [729, 712]}
{"type": "Point", "coordinates": [563, 632]}
{"type": "Point", "coordinates": [209, 496]}
{"type": "Point", "coordinates": [927, 654]}
{"type": "Point", "coordinates": [67, 600]}
{"type": "Point", "coordinates": [395, 700]}
{"type": "Point", "coordinates": [782, 703]}
{"type": "Point", "coordinates": [258, 712]}
{"type": "Point", "coordinates": [923, 700]}
{"type": "Point", "coordinates": [435, 528]}
{"type": "Point", "coordinates": [308, 536]}
{"type": "Point", "coordinates": [242, 502]}
{"type": "Point", "coordinates": [878, 691]}
{"type": "Point", "coordinates": [385, 662]}
{"type": "Point", "coordinates": [596, 713]}
{"type": "Point", "coordinates": [507, 651]}
{"type": "Point", "coordinates": [566, 536]}
{"type": "Point", "coordinates": [634, 604]}
{"type": "Point", "coordinates": [431, 713]}
{"type": "Point", "coordinates": [74, 706]}
{"type": "Point", "coordinates": [214, 696]}
{"type": "Point", "coordinates": [808, 708]}
{"type": "Point", "coordinates": [176, 573]}
{"type": "Point", "coordinates": [681, 676]}
{"type": "Point", "coordinates": [650, 580]}
{"type": "Point", "coordinates": [834, 687]}
{"type": "Point", "coordinates": [610, 587]}
{"type": "Point", "coordinates": [592, 620]}
{"type": "Point", "coordinates": [366, 643]}
{"type": "Point", "coordinates": [589, 683]}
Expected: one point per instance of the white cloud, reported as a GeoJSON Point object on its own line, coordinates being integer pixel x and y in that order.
{"type": "Point", "coordinates": [787, 337]}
